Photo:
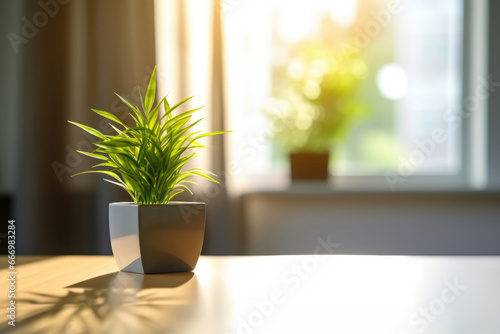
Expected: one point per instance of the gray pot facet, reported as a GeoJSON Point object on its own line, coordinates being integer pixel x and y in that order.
{"type": "Point", "coordinates": [151, 239]}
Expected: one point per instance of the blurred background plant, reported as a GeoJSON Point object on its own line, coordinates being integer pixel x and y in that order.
{"type": "Point", "coordinates": [315, 102]}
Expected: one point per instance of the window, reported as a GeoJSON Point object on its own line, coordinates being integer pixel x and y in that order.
{"type": "Point", "coordinates": [410, 61]}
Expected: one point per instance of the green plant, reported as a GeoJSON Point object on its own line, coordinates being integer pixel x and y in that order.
{"type": "Point", "coordinates": [146, 159]}
{"type": "Point", "coordinates": [315, 101]}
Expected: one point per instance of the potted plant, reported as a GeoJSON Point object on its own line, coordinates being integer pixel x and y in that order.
{"type": "Point", "coordinates": [294, 120]}
{"type": "Point", "coordinates": [315, 106]}
{"type": "Point", "coordinates": [152, 234]}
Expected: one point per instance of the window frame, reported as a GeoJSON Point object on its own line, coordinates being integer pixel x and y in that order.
{"type": "Point", "coordinates": [473, 174]}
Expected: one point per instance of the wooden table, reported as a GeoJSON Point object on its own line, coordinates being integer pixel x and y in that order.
{"type": "Point", "coordinates": [269, 294]}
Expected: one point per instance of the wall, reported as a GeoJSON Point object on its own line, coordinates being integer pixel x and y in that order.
{"type": "Point", "coordinates": [10, 21]}
{"type": "Point", "coordinates": [373, 223]}
{"type": "Point", "coordinates": [494, 100]}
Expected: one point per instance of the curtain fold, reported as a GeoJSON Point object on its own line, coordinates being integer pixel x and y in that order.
{"type": "Point", "coordinates": [220, 215]}
{"type": "Point", "coordinates": [190, 58]}
{"type": "Point", "coordinates": [84, 53]}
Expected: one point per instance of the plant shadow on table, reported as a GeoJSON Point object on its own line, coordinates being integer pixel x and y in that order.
{"type": "Point", "coordinates": [118, 302]}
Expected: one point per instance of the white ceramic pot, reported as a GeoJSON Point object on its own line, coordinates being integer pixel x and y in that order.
{"type": "Point", "coordinates": [163, 238]}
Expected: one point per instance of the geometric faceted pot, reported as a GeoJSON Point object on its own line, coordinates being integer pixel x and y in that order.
{"type": "Point", "coordinates": [163, 238]}
{"type": "Point", "coordinates": [309, 166]}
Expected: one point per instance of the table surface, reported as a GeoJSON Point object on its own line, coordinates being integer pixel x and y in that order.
{"type": "Point", "coordinates": [265, 294]}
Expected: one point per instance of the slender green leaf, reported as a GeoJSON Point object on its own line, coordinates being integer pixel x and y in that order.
{"type": "Point", "coordinates": [108, 115]}
{"type": "Point", "coordinates": [107, 172]}
{"type": "Point", "coordinates": [119, 143]}
{"type": "Point", "coordinates": [153, 116]}
{"type": "Point", "coordinates": [168, 110]}
{"type": "Point", "coordinates": [124, 186]}
{"type": "Point", "coordinates": [183, 187]}
{"type": "Point", "coordinates": [142, 101]}
{"type": "Point", "coordinates": [139, 117]}
{"type": "Point", "coordinates": [93, 155]}
{"type": "Point", "coordinates": [90, 130]}
{"type": "Point", "coordinates": [150, 93]}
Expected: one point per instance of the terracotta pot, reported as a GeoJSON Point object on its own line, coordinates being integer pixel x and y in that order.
{"type": "Point", "coordinates": [309, 166]}
{"type": "Point", "coordinates": [163, 238]}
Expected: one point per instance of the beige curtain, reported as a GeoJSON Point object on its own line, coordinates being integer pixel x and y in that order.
{"type": "Point", "coordinates": [85, 51]}
{"type": "Point", "coordinates": [190, 62]}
